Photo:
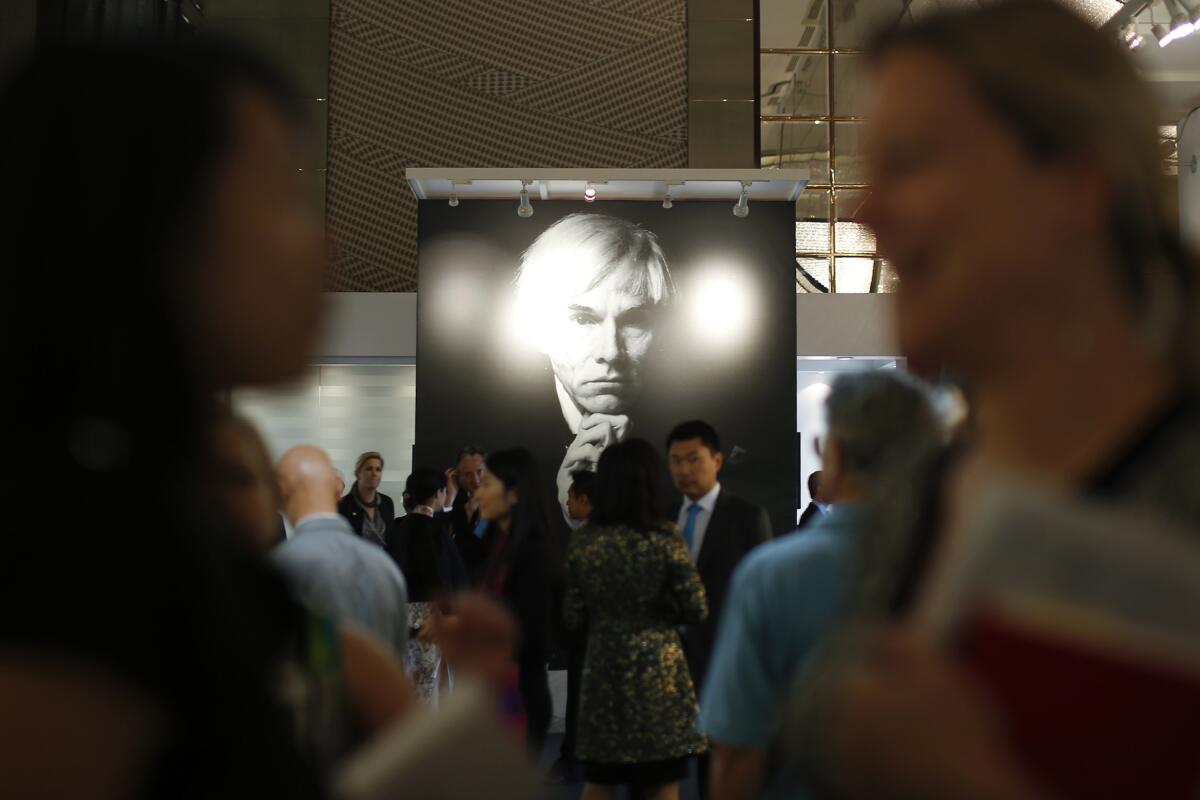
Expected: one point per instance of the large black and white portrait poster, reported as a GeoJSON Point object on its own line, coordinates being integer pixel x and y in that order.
{"type": "Point", "coordinates": [591, 322]}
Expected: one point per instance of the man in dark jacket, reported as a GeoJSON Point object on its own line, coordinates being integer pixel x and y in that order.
{"type": "Point", "coordinates": [462, 480]}
{"type": "Point", "coordinates": [719, 529]}
{"type": "Point", "coordinates": [816, 509]}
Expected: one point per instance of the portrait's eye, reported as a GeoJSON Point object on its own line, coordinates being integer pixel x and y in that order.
{"type": "Point", "coordinates": [638, 320]}
{"type": "Point", "coordinates": [583, 318]}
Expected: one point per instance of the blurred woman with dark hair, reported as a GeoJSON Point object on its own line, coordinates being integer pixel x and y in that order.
{"type": "Point", "coordinates": [522, 571]}
{"type": "Point", "coordinates": [630, 577]}
{"type": "Point", "coordinates": [155, 238]}
{"type": "Point", "coordinates": [1021, 201]}
{"type": "Point", "coordinates": [432, 567]}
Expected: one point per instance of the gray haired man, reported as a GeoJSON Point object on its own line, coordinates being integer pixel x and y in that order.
{"type": "Point", "coordinates": [788, 594]}
{"type": "Point", "coordinates": [590, 292]}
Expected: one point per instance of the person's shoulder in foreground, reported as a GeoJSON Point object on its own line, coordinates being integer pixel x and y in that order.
{"type": "Point", "coordinates": [785, 596]}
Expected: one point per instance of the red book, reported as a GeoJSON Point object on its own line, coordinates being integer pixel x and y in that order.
{"type": "Point", "coordinates": [1097, 708]}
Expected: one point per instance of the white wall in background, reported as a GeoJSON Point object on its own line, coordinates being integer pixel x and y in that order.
{"type": "Point", "coordinates": [378, 325]}
{"type": "Point", "coordinates": [346, 410]}
{"type": "Point", "coordinates": [811, 390]}
{"type": "Point", "coordinates": [844, 325]}
{"type": "Point", "coordinates": [813, 379]}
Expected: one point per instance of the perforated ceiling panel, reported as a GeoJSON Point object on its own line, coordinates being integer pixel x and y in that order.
{"type": "Point", "coordinates": [465, 83]}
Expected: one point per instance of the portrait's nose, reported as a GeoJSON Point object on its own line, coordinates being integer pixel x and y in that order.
{"type": "Point", "coordinates": [607, 342]}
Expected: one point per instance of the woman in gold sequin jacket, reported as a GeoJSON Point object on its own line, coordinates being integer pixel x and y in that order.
{"type": "Point", "coordinates": [630, 580]}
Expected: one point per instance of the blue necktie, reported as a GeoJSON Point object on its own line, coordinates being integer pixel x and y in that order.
{"type": "Point", "coordinates": [689, 528]}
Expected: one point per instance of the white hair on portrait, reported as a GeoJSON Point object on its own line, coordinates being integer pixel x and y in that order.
{"type": "Point", "coordinates": [578, 253]}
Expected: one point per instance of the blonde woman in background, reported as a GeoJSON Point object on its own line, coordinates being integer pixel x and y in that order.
{"type": "Point", "coordinates": [371, 512]}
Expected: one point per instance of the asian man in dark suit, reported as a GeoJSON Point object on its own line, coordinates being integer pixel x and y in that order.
{"type": "Point", "coordinates": [719, 528]}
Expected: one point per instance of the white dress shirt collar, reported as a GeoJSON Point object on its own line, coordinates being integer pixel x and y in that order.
{"type": "Point", "coordinates": [317, 515]}
{"type": "Point", "coordinates": [708, 502]}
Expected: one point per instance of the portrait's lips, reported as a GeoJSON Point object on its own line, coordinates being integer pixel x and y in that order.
{"type": "Point", "coordinates": [606, 387]}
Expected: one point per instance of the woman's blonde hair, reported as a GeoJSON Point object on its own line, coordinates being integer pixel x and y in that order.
{"type": "Point", "coordinates": [365, 457]}
{"type": "Point", "coordinates": [1070, 91]}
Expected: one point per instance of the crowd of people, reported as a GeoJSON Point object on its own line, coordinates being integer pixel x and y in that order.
{"type": "Point", "coordinates": [226, 626]}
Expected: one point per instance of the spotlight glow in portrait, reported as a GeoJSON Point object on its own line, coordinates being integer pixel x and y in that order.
{"type": "Point", "coordinates": [721, 303]}
{"type": "Point", "coordinates": [459, 296]}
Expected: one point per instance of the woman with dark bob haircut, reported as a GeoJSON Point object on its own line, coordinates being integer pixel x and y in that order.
{"type": "Point", "coordinates": [630, 577]}
{"type": "Point", "coordinates": [522, 572]}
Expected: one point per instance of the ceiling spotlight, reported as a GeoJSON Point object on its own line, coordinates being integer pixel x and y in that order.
{"type": "Point", "coordinates": [589, 193]}
{"type": "Point", "coordinates": [525, 210]}
{"type": "Point", "coordinates": [742, 209]}
{"type": "Point", "coordinates": [1160, 34]}
{"type": "Point", "coordinates": [1181, 23]}
{"type": "Point", "coordinates": [667, 202]}
{"type": "Point", "coordinates": [453, 198]}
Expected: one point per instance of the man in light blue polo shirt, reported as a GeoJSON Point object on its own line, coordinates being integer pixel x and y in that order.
{"type": "Point", "coordinates": [787, 595]}
{"type": "Point", "coordinates": [332, 571]}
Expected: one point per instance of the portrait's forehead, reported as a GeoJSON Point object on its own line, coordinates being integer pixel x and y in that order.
{"type": "Point", "coordinates": [627, 279]}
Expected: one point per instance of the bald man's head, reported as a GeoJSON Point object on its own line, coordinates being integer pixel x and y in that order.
{"type": "Point", "coordinates": [308, 482]}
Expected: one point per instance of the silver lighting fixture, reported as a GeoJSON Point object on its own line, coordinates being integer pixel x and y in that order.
{"type": "Point", "coordinates": [1181, 24]}
{"type": "Point", "coordinates": [1181, 20]}
{"type": "Point", "coordinates": [453, 197]}
{"type": "Point", "coordinates": [589, 193]}
{"type": "Point", "coordinates": [742, 209]}
{"type": "Point", "coordinates": [667, 203]}
{"type": "Point", "coordinates": [525, 210]}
